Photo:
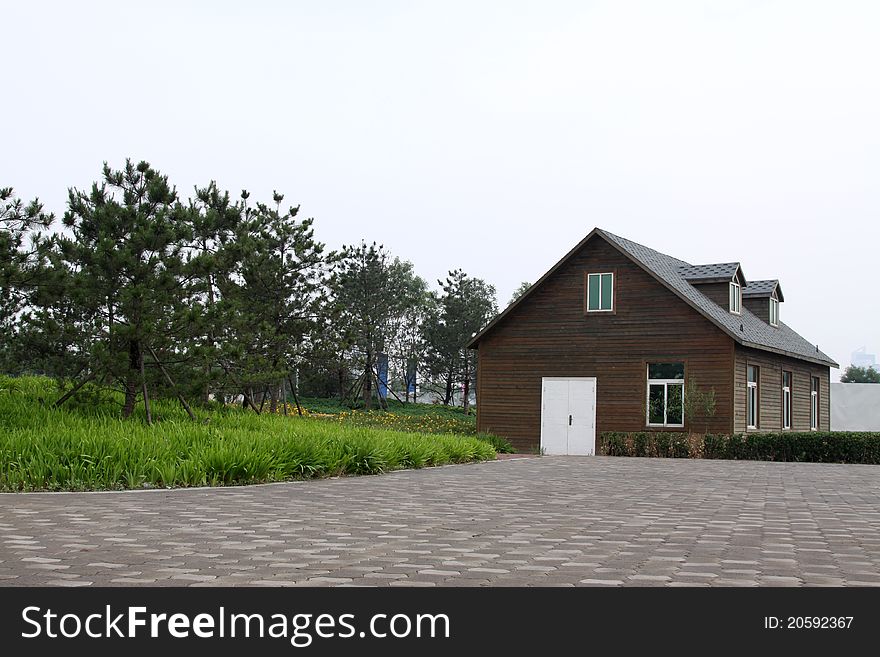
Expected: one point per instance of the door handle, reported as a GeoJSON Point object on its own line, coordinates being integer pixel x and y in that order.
{"type": "Point", "coordinates": [569, 420]}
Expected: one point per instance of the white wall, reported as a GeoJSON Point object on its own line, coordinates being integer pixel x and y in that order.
{"type": "Point", "coordinates": [855, 406]}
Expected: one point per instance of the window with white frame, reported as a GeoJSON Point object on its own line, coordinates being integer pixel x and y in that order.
{"type": "Point", "coordinates": [774, 312]}
{"type": "Point", "coordinates": [752, 397]}
{"type": "Point", "coordinates": [665, 401]}
{"type": "Point", "coordinates": [735, 296]}
{"type": "Point", "coordinates": [786, 400]}
{"type": "Point", "coordinates": [814, 403]}
{"type": "Point", "coordinates": [600, 292]}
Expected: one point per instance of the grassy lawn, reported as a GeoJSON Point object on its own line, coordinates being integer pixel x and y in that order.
{"type": "Point", "coordinates": [423, 418]}
{"type": "Point", "coordinates": [86, 446]}
{"type": "Point", "coordinates": [418, 418]}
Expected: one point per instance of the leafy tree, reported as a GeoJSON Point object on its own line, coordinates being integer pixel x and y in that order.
{"type": "Point", "coordinates": [405, 340]}
{"type": "Point", "coordinates": [699, 403]}
{"type": "Point", "coordinates": [521, 290]}
{"type": "Point", "coordinates": [855, 374]}
{"type": "Point", "coordinates": [464, 306]}
{"type": "Point", "coordinates": [372, 293]}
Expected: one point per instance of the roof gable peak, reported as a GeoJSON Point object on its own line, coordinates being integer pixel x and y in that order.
{"type": "Point", "coordinates": [746, 328]}
{"type": "Point", "coordinates": [764, 288]}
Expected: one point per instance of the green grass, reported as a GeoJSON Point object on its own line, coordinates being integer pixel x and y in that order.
{"type": "Point", "coordinates": [86, 446]}
{"type": "Point", "coordinates": [334, 406]}
{"type": "Point", "coordinates": [418, 418]}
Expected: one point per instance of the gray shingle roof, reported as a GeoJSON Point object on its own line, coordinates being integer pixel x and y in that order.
{"type": "Point", "coordinates": [760, 288]}
{"type": "Point", "coordinates": [721, 271]}
{"type": "Point", "coordinates": [745, 328]}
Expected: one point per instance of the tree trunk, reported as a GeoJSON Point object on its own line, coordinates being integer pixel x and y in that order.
{"type": "Point", "coordinates": [467, 386]}
{"type": "Point", "coordinates": [368, 382]}
{"type": "Point", "coordinates": [299, 409]}
{"type": "Point", "coordinates": [171, 383]}
{"type": "Point", "coordinates": [273, 399]}
{"type": "Point", "coordinates": [206, 390]}
{"type": "Point", "coordinates": [284, 397]}
{"type": "Point", "coordinates": [248, 394]}
{"type": "Point", "coordinates": [133, 378]}
{"type": "Point", "coordinates": [67, 395]}
{"type": "Point", "coordinates": [383, 401]}
{"type": "Point", "coordinates": [448, 398]}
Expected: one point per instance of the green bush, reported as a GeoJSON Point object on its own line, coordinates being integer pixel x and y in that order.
{"type": "Point", "coordinates": [645, 443]}
{"type": "Point", "coordinates": [640, 442]}
{"type": "Point", "coordinates": [811, 447]}
{"type": "Point", "coordinates": [613, 443]}
{"type": "Point", "coordinates": [501, 445]}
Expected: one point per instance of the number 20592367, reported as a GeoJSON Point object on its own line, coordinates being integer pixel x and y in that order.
{"type": "Point", "coordinates": [808, 622]}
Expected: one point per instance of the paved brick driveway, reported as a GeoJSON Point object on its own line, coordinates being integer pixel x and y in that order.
{"type": "Point", "coordinates": [547, 521]}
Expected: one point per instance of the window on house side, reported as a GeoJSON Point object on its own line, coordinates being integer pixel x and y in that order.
{"type": "Point", "coordinates": [774, 312]}
{"type": "Point", "coordinates": [752, 397]}
{"type": "Point", "coordinates": [814, 403]}
{"type": "Point", "coordinates": [786, 400]}
{"type": "Point", "coordinates": [735, 297]}
{"type": "Point", "coordinates": [665, 403]}
{"type": "Point", "coordinates": [600, 292]}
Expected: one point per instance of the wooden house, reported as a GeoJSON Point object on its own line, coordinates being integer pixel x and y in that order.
{"type": "Point", "coordinates": [619, 337]}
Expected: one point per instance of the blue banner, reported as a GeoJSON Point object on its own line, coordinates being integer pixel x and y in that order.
{"type": "Point", "coordinates": [411, 376]}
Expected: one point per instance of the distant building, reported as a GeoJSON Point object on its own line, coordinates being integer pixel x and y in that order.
{"type": "Point", "coordinates": [855, 406]}
{"type": "Point", "coordinates": [860, 358]}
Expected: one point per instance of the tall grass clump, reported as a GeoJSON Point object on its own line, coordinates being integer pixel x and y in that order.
{"type": "Point", "coordinates": [85, 446]}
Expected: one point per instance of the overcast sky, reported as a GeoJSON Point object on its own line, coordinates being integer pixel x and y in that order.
{"type": "Point", "coordinates": [490, 136]}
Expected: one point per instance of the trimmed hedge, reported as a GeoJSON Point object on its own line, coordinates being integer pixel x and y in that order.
{"type": "Point", "coordinates": [645, 443]}
{"type": "Point", "coordinates": [810, 447]}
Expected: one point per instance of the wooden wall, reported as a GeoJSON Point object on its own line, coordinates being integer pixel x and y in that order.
{"type": "Point", "coordinates": [759, 306]}
{"type": "Point", "coordinates": [770, 390]}
{"type": "Point", "coordinates": [718, 292]}
{"type": "Point", "coordinates": [549, 334]}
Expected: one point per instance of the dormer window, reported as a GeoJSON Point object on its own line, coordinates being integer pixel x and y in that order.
{"type": "Point", "coordinates": [735, 297]}
{"type": "Point", "coordinates": [774, 312]}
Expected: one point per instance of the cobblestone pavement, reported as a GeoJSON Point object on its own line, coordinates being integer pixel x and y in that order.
{"type": "Point", "coordinates": [539, 522]}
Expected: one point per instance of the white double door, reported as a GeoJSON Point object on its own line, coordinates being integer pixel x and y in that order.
{"type": "Point", "coordinates": [568, 416]}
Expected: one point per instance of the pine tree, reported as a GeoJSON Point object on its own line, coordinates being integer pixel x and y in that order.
{"type": "Point", "coordinates": [211, 257]}
{"type": "Point", "coordinates": [518, 292]}
{"type": "Point", "coordinates": [372, 292]}
{"type": "Point", "coordinates": [19, 265]}
{"type": "Point", "coordinates": [273, 299]}
{"type": "Point", "coordinates": [117, 277]}
{"type": "Point", "coordinates": [464, 307]}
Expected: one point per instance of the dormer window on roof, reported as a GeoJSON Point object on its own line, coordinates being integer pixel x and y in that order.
{"type": "Point", "coordinates": [735, 297]}
{"type": "Point", "coordinates": [763, 298]}
{"type": "Point", "coordinates": [774, 312]}
{"type": "Point", "coordinates": [723, 282]}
